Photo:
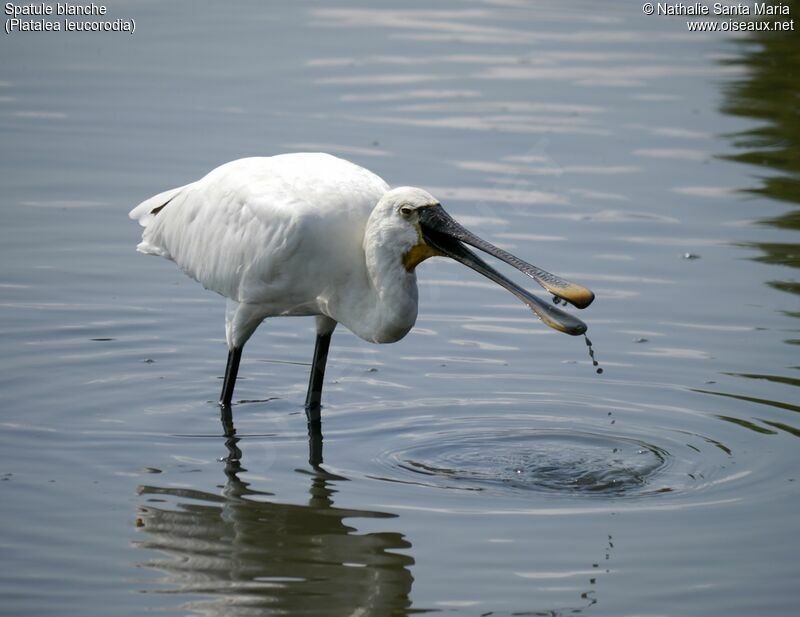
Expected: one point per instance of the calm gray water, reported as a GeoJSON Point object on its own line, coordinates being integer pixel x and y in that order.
{"type": "Point", "coordinates": [480, 466]}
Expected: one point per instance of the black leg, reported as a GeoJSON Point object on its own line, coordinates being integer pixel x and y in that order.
{"type": "Point", "coordinates": [315, 442]}
{"type": "Point", "coordinates": [314, 399]}
{"type": "Point", "coordinates": [314, 396]}
{"type": "Point", "coordinates": [231, 370]}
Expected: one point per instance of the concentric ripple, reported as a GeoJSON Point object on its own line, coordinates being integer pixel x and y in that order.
{"type": "Point", "coordinates": [581, 447]}
{"type": "Point", "coordinates": [544, 460]}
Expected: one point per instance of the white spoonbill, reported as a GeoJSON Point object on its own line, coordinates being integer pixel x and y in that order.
{"type": "Point", "coordinates": [312, 234]}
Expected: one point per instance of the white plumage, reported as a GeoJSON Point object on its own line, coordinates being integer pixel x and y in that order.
{"type": "Point", "coordinates": [312, 234]}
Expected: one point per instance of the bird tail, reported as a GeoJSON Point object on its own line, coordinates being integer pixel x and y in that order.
{"type": "Point", "coordinates": [146, 212]}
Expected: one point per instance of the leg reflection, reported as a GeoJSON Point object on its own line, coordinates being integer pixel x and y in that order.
{"type": "Point", "coordinates": [229, 430]}
{"type": "Point", "coordinates": [235, 551]}
{"type": "Point", "coordinates": [235, 454]}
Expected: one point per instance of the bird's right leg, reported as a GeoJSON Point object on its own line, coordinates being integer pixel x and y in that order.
{"type": "Point", "coordinates": [317, 377]}
{"type": "Point", "coordinates": [241, 320]}
{"type": "Point", "coordinates": [314, 441]}
{"type": "Point", "coordinates": [314, 399]}
{"type": "Point", "coordinates": [325, 327]}
{"type": "Point", "coordinates": [231, 370]}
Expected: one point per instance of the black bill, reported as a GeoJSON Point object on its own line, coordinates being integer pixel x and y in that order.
{"type": "Point", "coordinates": [445, 235]}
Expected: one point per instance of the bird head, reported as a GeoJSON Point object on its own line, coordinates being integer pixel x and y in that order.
{"type": "Point", "coordinates": [398, 212]}
{"type": "Point", "coordinates": [421, 225]}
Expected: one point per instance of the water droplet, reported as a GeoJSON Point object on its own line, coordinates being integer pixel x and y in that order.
{"type": "Point", "coordinates": [591, 354]}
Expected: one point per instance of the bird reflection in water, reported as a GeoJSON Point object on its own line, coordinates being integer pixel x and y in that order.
{"type": "Point", "coordinates": [247, 555]}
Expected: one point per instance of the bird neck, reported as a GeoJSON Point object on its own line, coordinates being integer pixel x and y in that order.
{"type": "Point", "coordinates": [389, 309]}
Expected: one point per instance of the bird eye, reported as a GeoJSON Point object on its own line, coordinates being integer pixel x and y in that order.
{"type": "Point", "coordinates": [406, 211]}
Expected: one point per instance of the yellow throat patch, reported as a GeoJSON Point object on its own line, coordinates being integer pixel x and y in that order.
{"type": "Point", "coordinates": [419, 253]}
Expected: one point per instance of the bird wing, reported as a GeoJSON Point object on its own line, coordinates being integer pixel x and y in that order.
{"type": "Point", "coordinates": [252, 228]}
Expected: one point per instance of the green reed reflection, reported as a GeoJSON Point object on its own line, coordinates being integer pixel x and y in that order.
{"type": "Point", "coordinates": [770, 92]}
